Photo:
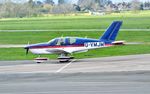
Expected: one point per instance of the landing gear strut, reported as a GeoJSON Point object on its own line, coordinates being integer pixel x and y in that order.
{"type": "Point", "coordinates": [65, 58]}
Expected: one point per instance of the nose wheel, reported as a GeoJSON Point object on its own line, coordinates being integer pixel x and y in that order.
{"type": "Point", "coordinates": [40, 59]}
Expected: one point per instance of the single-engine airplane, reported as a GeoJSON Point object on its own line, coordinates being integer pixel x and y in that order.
{"type": "Point", "coordinates": [66, 46]}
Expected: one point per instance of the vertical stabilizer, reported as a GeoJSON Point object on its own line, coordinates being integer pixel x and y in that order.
{"type": "Point", "coordinates": [111, 33]}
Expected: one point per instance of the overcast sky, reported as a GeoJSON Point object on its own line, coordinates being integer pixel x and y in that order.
{"type": "Point", "coordinates": [128, 0]}
{"type": "Point", "coordinates": [74, 1]}
{"type": "Point", "coordinates": [112, 0]}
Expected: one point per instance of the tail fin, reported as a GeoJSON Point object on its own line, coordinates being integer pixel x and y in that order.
{"type": "Point", "coordinates": [111, 33]}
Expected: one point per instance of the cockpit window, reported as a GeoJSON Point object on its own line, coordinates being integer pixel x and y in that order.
{"type": "Point", "coordinates": [53, 41]}
{"type": "Point", "coordinates": [61, 41]}
{"type": "Point", "coordinates": [72, 40]}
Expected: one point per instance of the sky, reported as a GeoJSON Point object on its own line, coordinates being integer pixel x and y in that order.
{"type": "Point", "coordinates": [74, 1]}
{"type": "Point", "coordinates": [127, 0]}
{"type": "Point", "coordinates": [115, 1]}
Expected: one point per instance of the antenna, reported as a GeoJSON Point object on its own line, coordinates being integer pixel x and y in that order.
{"type": "Point", "coordinates": [28, 43]}
{"type": "Point", "coordinates": [62, 36]}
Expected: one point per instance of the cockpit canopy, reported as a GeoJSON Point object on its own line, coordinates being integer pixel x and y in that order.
{"type": "Point", "coordinates": [63, 41]}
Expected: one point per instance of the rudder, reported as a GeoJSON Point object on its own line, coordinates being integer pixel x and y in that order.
{"type": "Point", "coordinates": [112, 31]}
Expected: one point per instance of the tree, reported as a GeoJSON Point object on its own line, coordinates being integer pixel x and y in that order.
{"type": "Point", "coordinates": [89, 4]}
{"type": "Point", "coordinates": [76, 7]}
{"type": "Point", "coordinates": [61, 1]}
{"type": "Point", "coordinates": [135, 5]}
{"type": "Point", "coordinates": [51, 2]}
{"type": "Point", "coordinates": [39, 3]}
{"type": "Point", "coordinates": [30, 1]}
{"type": "Point", "coordinates": [98, 2]}
{"type": "Point", "coordinates": [63, 9]}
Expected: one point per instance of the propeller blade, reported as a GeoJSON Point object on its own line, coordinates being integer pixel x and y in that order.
{"type": "Point", "coordinates": [27, 51]}
{"type": "Point", "coordinates": [28, 43]}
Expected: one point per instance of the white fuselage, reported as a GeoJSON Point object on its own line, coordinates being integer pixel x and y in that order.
{"type": "Point", "coordinates": [68, 49]}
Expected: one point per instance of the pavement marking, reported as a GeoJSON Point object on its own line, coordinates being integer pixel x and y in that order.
{"type": "Point", "coordinates": [36, 72]}
{"type": "Point", "coordinates": [62, 68]}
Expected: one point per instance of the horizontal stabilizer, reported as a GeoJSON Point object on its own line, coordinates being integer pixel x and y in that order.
{"type": "Point", "coordinates": [118, 42]}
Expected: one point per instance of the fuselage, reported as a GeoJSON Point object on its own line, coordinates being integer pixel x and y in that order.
{"type": "Point", "coordinates": [67, 45]}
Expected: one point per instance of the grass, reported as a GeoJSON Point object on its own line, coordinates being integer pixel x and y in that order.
{"type": "Point", "coordinates": [116, 51]}
{"type": "Point", "coordinates": [130, 21]}
{"type": "Point", "coordinates": [35, 37]}
{"type": "Point", "coordinates": [74, 23]}
{"type": "Point", "coordinates": [19, 53]}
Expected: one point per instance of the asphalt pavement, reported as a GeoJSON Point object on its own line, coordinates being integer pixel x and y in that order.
{"type": "Point", "coordinates": [108, 75]}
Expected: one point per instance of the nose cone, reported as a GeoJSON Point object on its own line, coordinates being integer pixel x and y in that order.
{"type": "Point", "coordinates": [27, 47]}
{"type": "Point", "coordinates": [32, 46]}
{"type": "Point", "coordinates": [35, 47]}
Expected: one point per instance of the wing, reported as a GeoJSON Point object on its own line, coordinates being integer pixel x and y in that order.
{"type": "Point", "coordinates": [57, 51]}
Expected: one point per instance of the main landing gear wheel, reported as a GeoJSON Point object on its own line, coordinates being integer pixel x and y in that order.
{"type": "Point", "coordinates": [65, 58]}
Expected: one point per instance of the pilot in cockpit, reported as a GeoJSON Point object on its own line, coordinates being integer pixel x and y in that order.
{"type": "Point", "coordinates": [60, 41]}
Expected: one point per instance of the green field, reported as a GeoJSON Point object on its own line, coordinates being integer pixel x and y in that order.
{"type": "Point", "coordinates": [36, 37]}
{"type": "Point", "coordinates": [19, 53]}
{"type": "Point", "coordinates": [74, 23]}
{"type": "Point", "coordinates": [130, 21]}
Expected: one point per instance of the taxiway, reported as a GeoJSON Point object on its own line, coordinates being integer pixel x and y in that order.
{"type": "Point", "coordinates": [108, 75]}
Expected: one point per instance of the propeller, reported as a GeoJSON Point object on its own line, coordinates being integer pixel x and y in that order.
{"type": "Point", "coordinates": [27, 51]}
{"type": "Point", "coordinates": [27, 48]}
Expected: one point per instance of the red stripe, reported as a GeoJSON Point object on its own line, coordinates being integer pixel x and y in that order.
{"type": "Point", "coordinates": [108, 44]}
{"type": "Point", "coordinates": [36, 47]}
{"type": "Point", "coordinates": [82, 45]}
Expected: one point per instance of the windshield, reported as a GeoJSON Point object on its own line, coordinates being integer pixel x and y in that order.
{"type": "Point", "coordinates": [51, 41]}
{"type": "Point", "coordinates": [62, 41]}
{"type": "Point", "coordinates": [57, 41]}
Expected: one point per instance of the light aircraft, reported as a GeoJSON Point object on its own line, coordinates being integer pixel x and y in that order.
{"type": "Point", "coordinates": [66, 46]}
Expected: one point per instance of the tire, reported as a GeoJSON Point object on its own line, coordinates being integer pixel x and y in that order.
{"type": "Point", "coordinates": [64, 61]}
{"type": "Point", "coordinates": [38, 62]}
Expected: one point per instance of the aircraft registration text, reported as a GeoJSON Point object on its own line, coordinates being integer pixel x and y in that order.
{"type": "Point", "coordinates": [94, 44]}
